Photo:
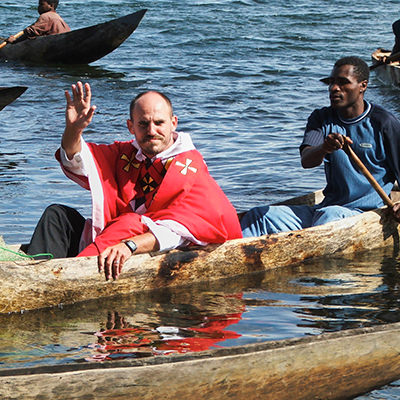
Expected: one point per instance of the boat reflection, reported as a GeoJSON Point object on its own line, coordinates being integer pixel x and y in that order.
{"type": "Point", "coordinates": [121, 339]}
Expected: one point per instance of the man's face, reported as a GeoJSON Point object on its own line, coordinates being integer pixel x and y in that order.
{"type": "Point", "coordinates": [153, 124]}
{"type": "Point", "coordinates": [44, 6]}
{"type": "Point", "coordinates": [344, 89]}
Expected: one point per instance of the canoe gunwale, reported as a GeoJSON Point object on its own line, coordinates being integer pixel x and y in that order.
{"type": "Point", "coordinates": [330, 366]}
{"type": "Point", "coordinates": [43, 284]}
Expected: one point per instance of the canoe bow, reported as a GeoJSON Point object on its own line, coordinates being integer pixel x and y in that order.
{"type": "Point", "coordinates": [9, 94]}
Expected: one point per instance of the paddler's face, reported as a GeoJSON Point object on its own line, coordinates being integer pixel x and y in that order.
{"type": "Point", "coordinates": [153, 124]}
{"type": "Point", "coordinates": [44, 6]}
{"type": "Point", "coordinates": [344, 89]}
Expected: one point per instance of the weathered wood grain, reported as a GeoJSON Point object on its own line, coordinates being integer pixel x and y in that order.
{"type": "Point", "coordinates": [37, 284]}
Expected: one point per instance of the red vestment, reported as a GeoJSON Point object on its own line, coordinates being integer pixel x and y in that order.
{"type": "Point", "coordinates": [187, 194]}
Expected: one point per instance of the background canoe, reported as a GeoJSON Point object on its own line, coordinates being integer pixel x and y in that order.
{"type": "Point", "coordinates": [337, 365]}
{"type": "Point", "coordinates": [81, 46]}
{"type": "Point", "coordinates": [9, 94]}
{"type": "Point", "coordinates": [387, 73]}
{"type": "Point", "coordinates": [26, 285]}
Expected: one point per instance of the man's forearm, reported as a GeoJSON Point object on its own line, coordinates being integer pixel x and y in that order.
{"type": "Point", "coordinates": [312, 156]}
{"type": "Point", "coordinates": [71, 142]}
{"type": "Point", "coordinates": [146, 243]}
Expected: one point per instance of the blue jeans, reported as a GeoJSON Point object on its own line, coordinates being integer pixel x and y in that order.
{"type": "Point", "coordinates": [273, 219]}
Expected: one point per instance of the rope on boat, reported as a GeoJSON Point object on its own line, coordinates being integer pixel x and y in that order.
{"type": "Point", "coordinates": [16, 253]}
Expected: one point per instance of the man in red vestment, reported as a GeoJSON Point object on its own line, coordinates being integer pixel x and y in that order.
{"type": "Point", "coordinates": [153, 193]}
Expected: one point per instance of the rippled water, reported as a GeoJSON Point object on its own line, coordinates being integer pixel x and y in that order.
{"type": "Point", "coordinates": [243, 77]}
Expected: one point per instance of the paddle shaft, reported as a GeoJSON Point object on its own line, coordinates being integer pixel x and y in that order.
{"type": "Point", "coordinates": [389, 59]}
{"type": "Point", "coordinates": [353, 156]}
{"type": "Point", "coordinates": [19, 34]}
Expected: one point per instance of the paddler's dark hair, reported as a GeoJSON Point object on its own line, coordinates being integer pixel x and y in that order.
{"type": "Point", "coordinates": [135, 100]}
{"type": "Point", "coordinates": [361, 69]}
{"type": "Point", "coordinates": [53, 3]}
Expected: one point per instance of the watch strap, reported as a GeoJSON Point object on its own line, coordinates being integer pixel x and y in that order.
{"type": "Point", "coordinates": [131, 245]}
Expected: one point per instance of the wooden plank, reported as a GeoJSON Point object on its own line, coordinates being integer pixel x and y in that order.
{"type": "Point", "coordinates": [336, 365]}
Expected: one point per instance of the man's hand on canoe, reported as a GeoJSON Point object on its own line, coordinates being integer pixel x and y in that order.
{"type": "Point", "coordinates": [396, 212]}
{"type": "Point", "coordinates": [112, 259]}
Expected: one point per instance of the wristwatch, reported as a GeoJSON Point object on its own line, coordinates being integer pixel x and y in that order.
{"type": "Point", "coordinates": [131, 245]}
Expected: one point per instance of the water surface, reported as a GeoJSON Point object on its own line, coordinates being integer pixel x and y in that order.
{"type": "Point", "coordinates": [243, 77]}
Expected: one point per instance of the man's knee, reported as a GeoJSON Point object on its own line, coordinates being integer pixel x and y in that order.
{"type": "Point", "coordinates": [332, 213]}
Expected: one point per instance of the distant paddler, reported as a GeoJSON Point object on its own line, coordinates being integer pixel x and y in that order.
{"type": "Point", "coordinates": [48, 23]}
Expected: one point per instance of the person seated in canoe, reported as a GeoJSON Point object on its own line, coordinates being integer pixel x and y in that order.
{"type": "Point", "coordinates": [372, 132]}
{"type": "Point", "coordinates": [396, 32]}
{"type": "Point", "coordinates": [152, 193]}
{"type": "Point", "coordinates": [48, 23]}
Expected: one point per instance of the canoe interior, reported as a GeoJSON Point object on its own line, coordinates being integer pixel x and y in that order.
{"type": "Point", "coordinates": [339, 365]}
{"type": "Point", "coordinates": [387, 73]}
{"type": "Point", "coordinates": [81, 46]}
{"type": "Point", "coordinates": [9, 94]}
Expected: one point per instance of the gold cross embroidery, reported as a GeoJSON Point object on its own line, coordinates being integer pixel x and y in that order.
{"type": "Point", "coordinates": [130, 161]}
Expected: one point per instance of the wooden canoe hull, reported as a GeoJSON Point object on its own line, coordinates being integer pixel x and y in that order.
{"type": "Point", "coordinates": [387, 73]}
{"type": "Point", "coordinates": [81, 46]}
{"type": "Point", "coordinates": [39, 284]}
{"type": "Point", "coordinates": [337, 365]}
{"type": "Point", "coordinates": [9, 94]}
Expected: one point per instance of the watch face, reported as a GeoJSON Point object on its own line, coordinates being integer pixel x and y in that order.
{"type": "Point", "coordinates": [132, 245]}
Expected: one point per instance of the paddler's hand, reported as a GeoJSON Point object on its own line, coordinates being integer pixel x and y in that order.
{"type": "Point", "coordinates": [79, 112]}
{"type": "Point", "coordinates": [396, 212]}
{"type": "Point", "coordinates": [11, 39]}
{"type": "Point", "coordinates": [335, 141]}
{"type": "Point", "coordinates": [112, 259]}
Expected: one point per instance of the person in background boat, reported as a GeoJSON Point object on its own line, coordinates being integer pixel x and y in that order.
{"type": "Point", "coordinates": [48, 23]}
{"type": "Point", "coordinates": [396, 31]}
{"type": "Point", "coordinates": [374, 135]}
{"type": "Point", "coordinates": [153, 193]}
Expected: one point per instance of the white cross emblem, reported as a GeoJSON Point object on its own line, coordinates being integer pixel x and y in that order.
{"type": "Point", "coordinates": [186, 167]}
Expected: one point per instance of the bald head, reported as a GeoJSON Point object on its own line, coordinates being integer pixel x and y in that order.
{"type": "Point", "coordinates": [152, 95]}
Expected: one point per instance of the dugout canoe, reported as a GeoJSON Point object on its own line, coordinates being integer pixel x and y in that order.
{"type": "Point", "coordinates": [81, 46]}
{"type": "Point", "coordinates": [9, 94]}
{"type": "Point", "coordinates": [27, 285]}
{"type": "Point", "coordinates": [387, 73]}
{"type": "Point", "coordinates": [339, 365]}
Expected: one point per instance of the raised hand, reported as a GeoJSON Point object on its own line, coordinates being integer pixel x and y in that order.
{"type": "Point", "coordinates": [78, 115]}
{"type": "Point", "coordinates": [79, 112]}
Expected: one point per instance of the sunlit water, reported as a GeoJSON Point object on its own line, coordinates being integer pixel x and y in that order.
{"type": "Point", "coordinates": [243, 77]}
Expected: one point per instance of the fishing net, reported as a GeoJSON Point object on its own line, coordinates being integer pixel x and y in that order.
{"type": "Point", "coordinates": [11, 253]}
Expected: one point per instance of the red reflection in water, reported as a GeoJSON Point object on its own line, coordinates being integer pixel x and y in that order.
{"type": "Point", "coordinates": [131, 342]}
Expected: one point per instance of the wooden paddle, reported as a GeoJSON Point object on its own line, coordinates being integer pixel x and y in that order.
{"type": "Point", "coordinates": [353, 156]}
{"type": "Point", "coordinates": [19, 34]}
{"type": "Point", "coordinates": [392, 57]}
